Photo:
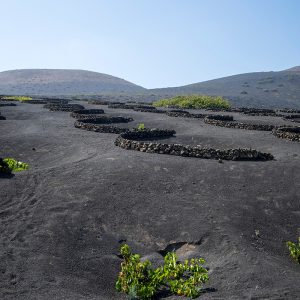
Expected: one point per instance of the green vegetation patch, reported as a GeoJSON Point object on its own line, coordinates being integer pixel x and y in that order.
{"type": "Point", "coordinates": [294, 249]}
{"type": "Point", "coordinates": [17, 98]}
{"type": "Point", "coordinates": [194, 101]}
{"type": "Point", "coordinates": [9, 165]}
{"type": "Point", "coordinates": [141, 127]}
{"type": "Point", "coordinates": [140, 281]}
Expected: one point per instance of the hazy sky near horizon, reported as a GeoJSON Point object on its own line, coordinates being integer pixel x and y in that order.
{"type": "Point", "coordinates": [153, 43]}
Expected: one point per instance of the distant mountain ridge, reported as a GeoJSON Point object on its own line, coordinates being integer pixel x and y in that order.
{"type": "Point", "coordinates": [259, 89]}
{"type": "Point", "coordinates": [62, 82]}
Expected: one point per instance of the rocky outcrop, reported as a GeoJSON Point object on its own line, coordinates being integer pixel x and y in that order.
{"type": "Point", "coordinates": [228, 122]}
{"type": "Point", "coordinates": [289, 133]}
{"type": "Point", "coordinates": [86, 113]}
{"type": "Point", "coordinates": [63, 107]}
{"type": "Point", "coordinates": [130, 140]}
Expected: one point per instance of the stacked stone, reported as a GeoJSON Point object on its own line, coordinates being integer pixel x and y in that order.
{"type": "Point", "coordinates": [228, 122]}
{"type": "Point", "coordinates": [292, 118]}
{"type": "Point", "coordinates": [36, 101]}
{"type": "Point", "coordinates": [129, 141]}
{"type": "Point", "coordinates": [106, 120]}
{"type": "Point", "coordinates": [290, 111]}
{"type": "Point", "coordinates": [2, 117]}
{"type": "Point", "coordinates": [258, 111]}
{"type": "Point", "coordinates": [183, 114]}
{"type": "Point", "coordinates": [63, 107]}
{"type": "Point", "coordinates": [98, 102]}
{"type": "Point", "coordinates": [289, 133]}
{"type": "Point", "coordinates": [120, 106]}
{"type": "Point", "coordinates": [86, 113]}
{"type": "Point", "coordinates": [147, 108]}
{"type": "Point", "coordinates": [97, 124]}
{"type": "Point", "coordinates": [7, 104]}
{"type": "Point", "coordinates": [99, 128]}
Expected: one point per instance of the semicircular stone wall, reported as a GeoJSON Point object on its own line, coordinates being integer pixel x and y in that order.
{"type": "Point", "coordinates": [86, 113]}
{"type": "Point", "coordinates": [130, 140]}
{"type": "Point", "coordinates": [228, 122]}
{"type": "Point", "coordinates": [288, 133]}
{"type": "Point", "coordinates": [63, 107]}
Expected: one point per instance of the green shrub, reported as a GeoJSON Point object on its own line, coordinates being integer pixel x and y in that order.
{"type": "Point", "coordinates": [140, 281]}
{"type": "Point", "coordinates": [193, 101]}
{"type": "Point", "coordinates": [17, 98]}
{"type": "Point", "coordinates": [141, 127]}
{"type": "Point", "coordinates": [294, 250]}
{"type": "Point", "coordinates": [9, 165]}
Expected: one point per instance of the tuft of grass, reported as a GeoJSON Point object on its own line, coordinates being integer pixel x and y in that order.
{"type": "Point", "coordinates": [194, 101]}
{"type": "Point", "coordinates": [294, 249]}
{"type": "Point", "coordinates": [9, 165]}
{"type": "Point", "coordinates": [17, 98]}
{"type": "Point", "coordinates": [140, 281]}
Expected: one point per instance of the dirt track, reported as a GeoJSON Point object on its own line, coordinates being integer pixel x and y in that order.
{"type": "Point", "coordinates": [61, 222]}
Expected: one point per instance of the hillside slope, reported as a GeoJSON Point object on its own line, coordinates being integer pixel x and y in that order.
{"type": "Point", "coordinates": [262, 89]}
{"type": "Point", "coordinates": [62, 82]}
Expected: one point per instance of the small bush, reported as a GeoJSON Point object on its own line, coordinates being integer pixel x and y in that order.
{"type": "Point", "coordinates": [140, 281]}
{"type": "Point", "coordinates": [17, 98]}
{"type": "Point", "coordinates": [294, 250]}
{"type": "Point", "coordinates": [8, 165]}
{"type": "Point", "coordinates": [193, 101]}
{"type": "Point", "coordinates": [141, 127]}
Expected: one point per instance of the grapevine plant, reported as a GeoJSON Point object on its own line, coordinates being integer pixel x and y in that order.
{"type": "Point", "coordinates": [9, 165]}
{"type": "Point", "coordinates": [140, 281]}
{"type": "Point", "coordinates": [294, 250]}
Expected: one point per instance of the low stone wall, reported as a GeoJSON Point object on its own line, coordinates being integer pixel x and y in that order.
{"type": "Point", "coordinates": [219, 118]}
{"type": "Point", "coordinates": [183, 114]}
{"type": "Point", "coordinates": [7, 104]}
{"type": "Point", "coordinates": [258, 111]}
{"type": "Point", "coordinates": [78, 114]}
{"type": "Point", "coordinates": [63, 107]}
{"type": "Point", "coordinates": [289, 133]}
{"type": "Point", "coordinates": [99, 128]}
{"type": "Point", "coordinates": [292, 118]}
{"type": "Point", "coordinates": [211, 120]}
{"type": "Point", "coordinates": [129, 141]}
{"type": "Point", "coordinates": [290, 111]}
{"type": "Point", "coordinates": [120, 106]}
{"type": "Point", "coordinates": [151, 110]}
{"type": "Point", "coordinates": [98, 124]}
{"type": "Point", "coordinates": [98, 102]}
{"type": "Point", "coordinates": [36, 101]}
{"type": "Point", "coordinates": [106, 120]}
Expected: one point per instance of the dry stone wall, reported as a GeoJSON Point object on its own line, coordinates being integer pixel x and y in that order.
{"type": "Point", "coordinates": [98, 102]}
{"type": "Point", "coordinates": [86, 113]}
{"type": "Point", "coordinates": [184, 114]}
{"type": "Point", "coordinates": [64, 107]}
{"type": "Point", "coordinates": [228, 122]}
{"type": "Point", "coordinates": [289, 133]}
{"type": "Point", "coordinates": [130, 140]}
{"type": "Point", "coordinates": [99, 124]}
{"type": "Point", "coordinates": [7, 104]}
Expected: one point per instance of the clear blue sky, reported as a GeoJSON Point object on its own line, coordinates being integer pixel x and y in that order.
{"type": "Point", "coordinates": [153, 43]}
